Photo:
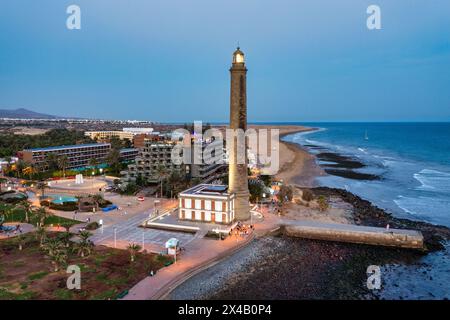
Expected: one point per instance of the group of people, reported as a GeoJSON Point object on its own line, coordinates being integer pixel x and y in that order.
{"type": "Point", "coordinates": [241, 229]}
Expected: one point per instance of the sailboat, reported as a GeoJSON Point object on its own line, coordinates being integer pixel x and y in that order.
{"type": "Point", "coordinates": [366, 137]}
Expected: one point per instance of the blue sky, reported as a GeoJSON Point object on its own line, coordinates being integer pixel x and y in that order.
{"type": "Point", "coordinates": [168, 60]}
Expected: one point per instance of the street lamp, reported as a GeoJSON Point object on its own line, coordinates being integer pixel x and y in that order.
{"type": "Point", "coordinates": [115, 237]}
{"type": "Point", "coordinates": [264, 197]}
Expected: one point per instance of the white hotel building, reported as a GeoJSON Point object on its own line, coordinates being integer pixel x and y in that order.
{"type": "Point", "coordinates": [207, 203]}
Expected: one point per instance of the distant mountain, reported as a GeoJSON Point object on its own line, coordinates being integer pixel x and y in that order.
{"type": "Point", "coordinates": [22, 113]}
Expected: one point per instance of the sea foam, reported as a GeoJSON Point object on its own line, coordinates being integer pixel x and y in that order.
{"type": "Point", "coordinates": [433, 180]}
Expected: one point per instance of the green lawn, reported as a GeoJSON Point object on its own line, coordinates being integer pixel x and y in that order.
{"type": "Point", "coordinates": [18, 215]}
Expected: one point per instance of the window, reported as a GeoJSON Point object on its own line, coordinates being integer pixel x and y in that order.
{"type": "Point", "coordinates": [218, 206]}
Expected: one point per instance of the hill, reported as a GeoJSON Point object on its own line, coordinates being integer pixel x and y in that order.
{"type": "Point", "coordinates": [22, 113]}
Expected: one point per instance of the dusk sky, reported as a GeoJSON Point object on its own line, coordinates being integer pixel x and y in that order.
{"type": "Point", "coordinates": [168, 60]}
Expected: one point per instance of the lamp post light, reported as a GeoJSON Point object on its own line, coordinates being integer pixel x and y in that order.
{"type": "Point", "coordinates": [264, 197]}
{"type": "Point", "coordinates": [115, 237]}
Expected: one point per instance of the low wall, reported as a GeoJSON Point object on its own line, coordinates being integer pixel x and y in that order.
{"type": "Point", "coordinates": [355, 234]}
{"type": "Point", "coordinates": [170, 227]}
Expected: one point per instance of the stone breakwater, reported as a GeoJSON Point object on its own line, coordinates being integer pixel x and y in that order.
{"type": "Point", "coordinates": [354, 234]}
{"type": "Point", "coordinates": [367, 214]}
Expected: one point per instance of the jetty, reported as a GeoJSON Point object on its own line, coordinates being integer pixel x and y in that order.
{"type": "Point", "coordinates": [354, 234]}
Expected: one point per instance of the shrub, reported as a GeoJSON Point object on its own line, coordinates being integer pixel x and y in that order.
{"type": "Point", "coordinates": [92, 226]}
{"type": "Point", "coordinates": [307, 195]}
{"type": "Point", "coordinates": [285, 194]}
{"type": "Point", "coordinates": [104, 203]}
{"type": "Point", "coordinates": [65, 206]}
{"type": "Point", "coordinates": [6, 192]}
{"type": "Point", "coordinates": [256, 190]}
{"type": "Point", "coordinates": [323, 203]}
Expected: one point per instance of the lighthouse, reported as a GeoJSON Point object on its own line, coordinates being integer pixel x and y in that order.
{"type": "Point", "coordinates": [238, 175]}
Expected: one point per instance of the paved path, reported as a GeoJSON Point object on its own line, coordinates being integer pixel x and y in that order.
{"type": "Point", "coordinates": [26, 227]}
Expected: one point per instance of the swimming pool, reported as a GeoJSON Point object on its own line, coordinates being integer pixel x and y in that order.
{"type": "Point", "coordinates": [59, 199]}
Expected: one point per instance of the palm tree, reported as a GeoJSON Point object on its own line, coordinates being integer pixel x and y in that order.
{"type": "Point", "coordinates": [42, 185]}
{"type": "Point", "coordinates": [113, 160]}
{"type": "Point", "coordinates": [21, 241]}
{"type": "Point", "coordinates": [63, 162]}
{"type": "Point", "coordinates": [4, 211]}
{"type": "Point", "coordinates": [41, 215]}
{"type": "Point", "coordinates": [97, 198]}
{"type": "Point", "coordinates": [2, 180]}
{"type": "Point", "coordinates": [161, 174]}
{"type": "Point", "coordinates": [52, 161]}
{"type": "Point", "coordinates": [29, 170]}
{"type": "Point", "coordinates": [93, 162]}
{"type": "Point", "coordinates": [8, 168]}
{"type": "Point", "coordinates": [57, 252]}
{"type": "Point", "coordinates": [84, 247]}
{"type": "Point", "coordinates": [133, 249]}
{"type": "Point", "coordinates": [19, 167]}
{"type": "Point", "coordinates": [41, 234]}
{"type": "Point", "coordinates": [26, 207]}
{"type": "Point", "coordinates": [65, 238]}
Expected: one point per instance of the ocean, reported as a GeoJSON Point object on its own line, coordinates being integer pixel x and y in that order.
{"type": "Point", "coordinates": [412, 161]}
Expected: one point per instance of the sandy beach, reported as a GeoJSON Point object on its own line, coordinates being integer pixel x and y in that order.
{"type": "Point", "coordinates": [297, 166]}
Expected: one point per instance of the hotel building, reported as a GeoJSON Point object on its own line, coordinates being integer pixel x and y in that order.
{"type": "Point", "coordinates": [148, 160]}
{"type": "Point", "coordinates": [155, 154]}
{"type": "Point", "coordinates": [207, 203]}
{"type": "Point", "coordinates": [108, 135]}
{"type": "Point", "coordinates": [126, 133]}
{"type": "Point", "coordinates": [128, 154]}
{"type": "Point", "coordinates": [78, 155]}
{"type": "Point", "coordinates": [208, 165]}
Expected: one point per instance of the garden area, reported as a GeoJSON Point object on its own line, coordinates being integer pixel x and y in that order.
{"type": "Point", "coordinates": [32, 267]}
{"type": "Point", "coordinates": [24, 212]}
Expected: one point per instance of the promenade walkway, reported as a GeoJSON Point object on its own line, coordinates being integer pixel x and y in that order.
{"type": "Point", "coordinates": [200, 254]}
